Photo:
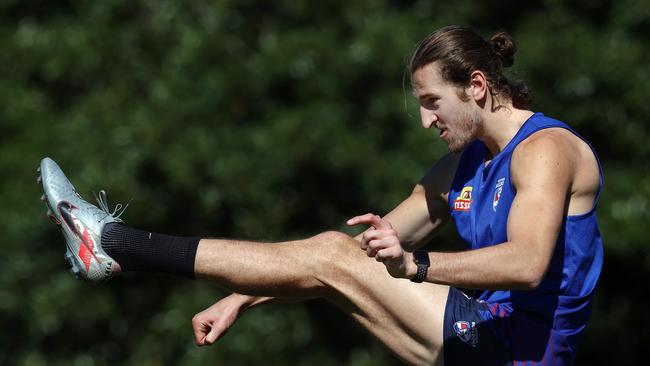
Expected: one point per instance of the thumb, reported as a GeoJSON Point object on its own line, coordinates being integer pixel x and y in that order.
{"type": "Point", "coordinates": [215, 333]}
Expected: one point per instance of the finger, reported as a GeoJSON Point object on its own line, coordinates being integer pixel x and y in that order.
{"type": "Point", "coordinates": [388, 253]}
{"type": "Point", "coordinates": [380, 257]}
{"type": "Point", "coordinates": [375, 245]}
{"type": "Point", "coordinates": [379, 234]}
{"type": "Point", "coordinates": [361, 219]}
{"type": "Point", "coordinates": [370, 219]}
{"type": "Point", "coordinates": [371, 252]}
{"type": "Point", "coordinates": [363, 244]}
{"type": "Point", "coordinates": [200, 331]}
{"type": "Point", "coordinates": [378, 223]}
{"type": "Point", "coordinates": [370, 235]}
{"type": "Point", "coordinates": [384, 242]}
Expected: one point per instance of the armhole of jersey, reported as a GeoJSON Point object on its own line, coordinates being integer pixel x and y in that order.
{"type": "Point", "coordinates": [593, 151]}
{"type": "Point", "coordinates": [601, 180]}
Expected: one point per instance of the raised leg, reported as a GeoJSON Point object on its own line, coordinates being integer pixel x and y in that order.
{"type": "Point", "coordinates": [405, 316]}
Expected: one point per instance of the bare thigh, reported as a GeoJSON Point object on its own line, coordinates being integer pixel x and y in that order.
{"type": "Point", "coordinates": [407, 317]}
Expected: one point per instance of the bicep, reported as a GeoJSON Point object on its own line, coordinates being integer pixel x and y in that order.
{"type": "Point", "coordinates": [541, 175]}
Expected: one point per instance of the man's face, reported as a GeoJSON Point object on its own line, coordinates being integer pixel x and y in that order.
{"type": "Point", "coordinates": [441, 107]}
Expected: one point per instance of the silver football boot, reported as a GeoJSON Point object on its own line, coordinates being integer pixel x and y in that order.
{"type": "Point", "coordinates": [81, 223]}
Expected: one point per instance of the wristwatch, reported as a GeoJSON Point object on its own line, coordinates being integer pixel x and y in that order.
{"type": "Point", "coordinates": [421, 259]}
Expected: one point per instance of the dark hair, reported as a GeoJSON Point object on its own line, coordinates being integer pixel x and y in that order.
{"type": "Point", "coordinates": [460, 51]}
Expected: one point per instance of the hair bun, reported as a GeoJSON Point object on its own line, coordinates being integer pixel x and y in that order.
{"type": "Point", "coordinates": [504, 47]}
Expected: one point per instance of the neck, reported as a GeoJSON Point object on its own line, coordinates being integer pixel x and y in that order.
{"type": "Point", "coordinates": [501, 125]}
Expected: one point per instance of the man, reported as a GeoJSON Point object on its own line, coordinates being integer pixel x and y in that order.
{"type": "Point", "coordinates": [520, 187]}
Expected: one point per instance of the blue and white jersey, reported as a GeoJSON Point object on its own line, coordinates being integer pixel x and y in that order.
{"type": "Point", "coordinates": [541, 325]}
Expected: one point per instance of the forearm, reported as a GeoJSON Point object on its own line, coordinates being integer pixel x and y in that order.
{"type": "Point", "coordinates": [505, 266]}
{"type": "Point", "coordinates": [415, 234]}
{"type": "Point", "coordinates": [248, 302]}
{"type": "Point", "coordinates": [415, 220]}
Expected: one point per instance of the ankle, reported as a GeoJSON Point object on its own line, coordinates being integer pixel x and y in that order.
{"type": "Point", "coordinates": [144, 251]}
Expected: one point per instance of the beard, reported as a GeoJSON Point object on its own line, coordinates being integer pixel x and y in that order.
{"type": "Point", "coordinates": [464, 130]}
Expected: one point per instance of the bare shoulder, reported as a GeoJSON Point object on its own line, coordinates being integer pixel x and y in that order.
{"type": "Point", "coordinates": [555, 143]}
{"type": "Point", "coordinates": [551, 143]}
{"type": "Point", "coordinates": [560, 155]}
{"type": "Point", "coordinates": [556, 136]}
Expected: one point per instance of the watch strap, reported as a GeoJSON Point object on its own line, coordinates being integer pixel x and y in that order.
{"type": "Point", "coordinates": [421, 259]}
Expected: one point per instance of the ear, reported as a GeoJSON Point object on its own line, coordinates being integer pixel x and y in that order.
{"type": "Point", "coordinates": [478, 86]}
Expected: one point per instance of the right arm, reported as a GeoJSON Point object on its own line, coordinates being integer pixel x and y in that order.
{"type": "Point", "coordinates": [418, 217]}
{"type": "Point", "coordinates": [212, 323]}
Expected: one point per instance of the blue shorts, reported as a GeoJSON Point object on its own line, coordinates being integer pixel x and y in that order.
{"type": "Point", "coordinates": [468, 338]}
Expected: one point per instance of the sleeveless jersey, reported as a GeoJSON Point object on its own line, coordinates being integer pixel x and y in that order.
{"type": "Point", "coordinates": [542, 325]}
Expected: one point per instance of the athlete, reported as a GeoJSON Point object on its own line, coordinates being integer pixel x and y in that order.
{"type": "Point", "coordinates": [520, 187]}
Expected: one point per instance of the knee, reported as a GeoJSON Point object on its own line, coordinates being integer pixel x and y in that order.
{"type": "Point", "coordinates": [333, 252]}
{"type": "Point", "coordinates": [336, 242]}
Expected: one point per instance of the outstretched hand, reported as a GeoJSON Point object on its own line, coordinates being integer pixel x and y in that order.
{"type": "Point", "coordinates": [382, 243]}
{"type": "Point", "coordinates": [212, 323]}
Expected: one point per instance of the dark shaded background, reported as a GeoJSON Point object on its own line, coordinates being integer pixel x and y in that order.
{"type": "Point", "coordinates": [275, 120]}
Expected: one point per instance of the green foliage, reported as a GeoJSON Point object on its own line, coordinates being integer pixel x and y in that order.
{"type": "Point", "coordinates": [273, 120]}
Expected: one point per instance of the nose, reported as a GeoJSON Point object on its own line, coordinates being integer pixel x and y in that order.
{"type": "Point", "coordinates": [428, 118]}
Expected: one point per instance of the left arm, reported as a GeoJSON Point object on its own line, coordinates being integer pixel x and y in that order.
{"type": "Point", "coordinates": [542, 171]}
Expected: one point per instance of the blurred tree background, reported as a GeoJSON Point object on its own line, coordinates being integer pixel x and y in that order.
{"type": "Point", "coordinates": [274, 120]}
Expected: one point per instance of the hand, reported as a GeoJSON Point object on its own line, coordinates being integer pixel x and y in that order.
{"type": "Point", "coordinates": [382, 243]}
{"type": "Point", "coordinates": [213, 322]}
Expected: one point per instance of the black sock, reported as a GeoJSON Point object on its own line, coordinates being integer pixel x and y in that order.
{"type": "Point", "coordinates": [138, 250]}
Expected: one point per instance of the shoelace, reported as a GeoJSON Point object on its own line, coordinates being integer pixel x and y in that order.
{"type": "Point", "coordinates": [103, 205]}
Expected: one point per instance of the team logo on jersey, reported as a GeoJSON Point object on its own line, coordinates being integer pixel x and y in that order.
{"type": "Point", "coordinates": [497, 193]}
{"type": "Point", "coordinates": [464, 200]}
{"type": "Point", "coordinates": [467, 332]}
